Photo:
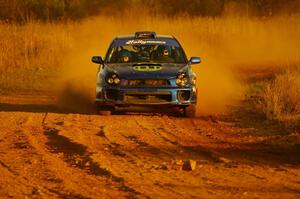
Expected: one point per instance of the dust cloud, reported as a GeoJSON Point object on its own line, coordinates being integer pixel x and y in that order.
{"type": "Point", "coordinates": [223, 44]}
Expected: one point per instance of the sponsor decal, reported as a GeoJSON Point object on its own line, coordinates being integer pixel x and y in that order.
{"type": "Point", "coordinates": [143, 42]}
{"type": "Point", "coordinates": [147, 68]}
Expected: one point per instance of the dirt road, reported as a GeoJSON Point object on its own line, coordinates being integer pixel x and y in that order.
{"type": "Point", "coordinates": [46, 152]}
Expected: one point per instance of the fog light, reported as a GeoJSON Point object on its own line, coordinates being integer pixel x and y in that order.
{"type": "Point", "coordinates": [112, 79]}
{"type": "Point", "coordinates": [117, 81]}
{"type": "Point", "coordinates": [112, 94]}
{"type": "Point", "coordinates": [183, 95]}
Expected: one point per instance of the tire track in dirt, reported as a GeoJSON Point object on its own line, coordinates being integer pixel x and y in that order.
{"type": "Point", "coordinates": [129, 140]}
{"type": "Point", "coordinates": [140, 130]}
{"type": "Point", "coordinates": [65, 195]}
{"type": "Point", "coordinates": [26, 158]}
{"type": "Point", "coordinates": [8, 168]}
{"type": "Point", "coordinates": [140, 164]}
{"type": "Point", "coordinates": [141, 148]}
{"type": "Point", "coordinates": [152, 136]}
{"type": "Point", "coordinates": [76, 155]}
{"type": "Point", "coordinates": [145, 139]}
{"type": "Point", "coordinates": [38, 172]}
{"type": "Point", "coordinates": [125, 140]}
{"type": "Point", "coordinates": [113, 147]}
{"type": "Point", "coordinates": [33, 136]}
{"type": "Point", "coordinates": [144, 145]}
{"type": "Point", "coordinates": [169, 132]}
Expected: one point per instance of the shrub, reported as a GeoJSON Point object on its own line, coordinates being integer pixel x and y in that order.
{"type": "Point", "coordinates": [281, 96]}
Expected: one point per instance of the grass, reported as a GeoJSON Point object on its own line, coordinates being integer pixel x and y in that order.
{"type": "Point", "coordinates": [281, 96]}
{"type": "Point", "coordinates": [30, 54]}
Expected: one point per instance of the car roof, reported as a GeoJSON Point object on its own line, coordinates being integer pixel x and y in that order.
{"type": "Point", "coordinates": [133, 37]}
{"type": "Point", "coordinates": [144, 38]}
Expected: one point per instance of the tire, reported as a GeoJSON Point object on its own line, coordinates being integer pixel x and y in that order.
{"type": "Point", "coordinates": [105, 110]}
{"type": "Point", "coordinates": [190, 111]}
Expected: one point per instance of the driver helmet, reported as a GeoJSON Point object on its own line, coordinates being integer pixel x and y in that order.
{"type": "Point", "coordinates": [125, 56]}
{"type": "Point", "coordinates": [163, 51]}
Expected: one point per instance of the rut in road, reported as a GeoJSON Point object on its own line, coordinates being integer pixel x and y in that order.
{"type": "Point", "coordinates": [76, 154]}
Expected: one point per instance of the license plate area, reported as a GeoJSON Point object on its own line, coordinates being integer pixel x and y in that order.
{"type": "Point", "coordinates": [147, 83]}
{"type": "Point", "coordinates": [148, 97]}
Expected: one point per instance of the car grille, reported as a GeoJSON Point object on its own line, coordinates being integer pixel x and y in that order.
{"type": "Point", "coordinates": [147, 83]}
{"type": "Point", "coordinates": [148, 97]}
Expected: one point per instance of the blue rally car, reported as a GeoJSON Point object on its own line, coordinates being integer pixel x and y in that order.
{"type": "Point", "coordinates": [146, 69]}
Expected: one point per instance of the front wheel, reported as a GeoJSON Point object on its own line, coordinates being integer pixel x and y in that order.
{"type": "Point", "coordinates": [190, 111]}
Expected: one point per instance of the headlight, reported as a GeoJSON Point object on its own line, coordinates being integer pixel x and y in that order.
{"type": "Point", "coordinates": [112, 79]}
{"type": "Point", "coordinates": [182, 79]}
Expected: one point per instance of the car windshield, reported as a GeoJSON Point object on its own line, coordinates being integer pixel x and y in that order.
{"type": "Point", "coordinates": [146, 53]}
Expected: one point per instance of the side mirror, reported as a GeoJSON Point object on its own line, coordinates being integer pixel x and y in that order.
{"type": "Point", "coordinates": [97, 60]}
{"type": "Point", "coordinates": [195, 60]}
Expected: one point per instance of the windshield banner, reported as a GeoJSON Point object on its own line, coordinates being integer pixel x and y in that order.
{"type": "Point", "coordinates": [143, 42]}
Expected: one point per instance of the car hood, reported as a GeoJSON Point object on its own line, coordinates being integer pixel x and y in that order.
{"type": "Point", "coordinates": [140, 71]}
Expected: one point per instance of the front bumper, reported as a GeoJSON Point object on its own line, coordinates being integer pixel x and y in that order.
{"type": "Point", "coordinates": [113, 96]}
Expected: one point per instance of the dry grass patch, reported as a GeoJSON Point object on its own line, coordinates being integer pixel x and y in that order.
{"type": "Point", "coordinates": [31, 53]}
{"type": "Point", "coordinates": [281, 96]}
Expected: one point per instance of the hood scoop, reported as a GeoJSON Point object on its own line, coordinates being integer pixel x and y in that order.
{"type": "Point", "coordinates": [147, 67]}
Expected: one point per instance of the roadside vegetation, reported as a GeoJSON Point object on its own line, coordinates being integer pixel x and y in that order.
{"type": "Point", "coordinates": [50, 10]}
{"type": "Point", "coordinates": [31, 53]}
{"type": "Point", "coordinates": [281, 96]}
